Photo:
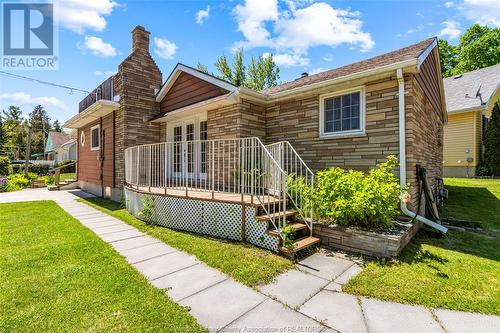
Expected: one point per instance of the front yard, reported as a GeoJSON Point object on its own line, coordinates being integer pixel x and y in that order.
{"type": "Point", "coordinates": [245, 263]}
{"type": "Point", "coordinates": [460, 271]}
{"type": "Point", "coordinates": [57, 276]}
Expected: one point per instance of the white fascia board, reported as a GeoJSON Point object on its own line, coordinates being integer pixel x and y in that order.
{"type": "Point", "coordinates": [99, 109]}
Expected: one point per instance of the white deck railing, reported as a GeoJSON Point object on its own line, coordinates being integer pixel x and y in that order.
{"type": "Point", "coordinates": [238, 167]}
{"type": "Point", "coordinates": [300, 179]}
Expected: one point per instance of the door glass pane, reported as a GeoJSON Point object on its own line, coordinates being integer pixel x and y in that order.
{"type": "Point", "coordinates": [203, 147]}
{"type": "Point", "coordinates": [190, 147]}
{"type": "Point", "coordinates": [177, 149]}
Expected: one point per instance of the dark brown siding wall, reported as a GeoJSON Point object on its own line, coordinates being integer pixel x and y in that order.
{"type": "Point", "coordinates": [188, 90]}
{"type": "Point", "coordinates": [428, 79]}
{"type": "Point", "coordinates": [88, 168]}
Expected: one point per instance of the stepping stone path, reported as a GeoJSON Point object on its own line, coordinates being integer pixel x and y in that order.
{"type": "Point", "coordinates": [308, 298]}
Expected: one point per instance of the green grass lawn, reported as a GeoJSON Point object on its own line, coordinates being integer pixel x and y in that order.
{"type": "Point", "coordinates": [65, 176]}
{"type": "Point", "coordinates": [57, 276]}
{"type": "Point", "coordinates": [245, 263]}
{"type": "Point", "coordinates": [460, 271]}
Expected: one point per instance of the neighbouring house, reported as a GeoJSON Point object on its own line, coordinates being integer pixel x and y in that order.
{"type": "Point", "coordinates": [200, 154]}
{"type": "Point", "coordinates": [470, 98]}
{"type": "Point", "coordinates": [60, 146]}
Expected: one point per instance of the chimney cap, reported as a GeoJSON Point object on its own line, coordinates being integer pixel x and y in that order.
{"type": "Point", "coordinates": [139, 27]}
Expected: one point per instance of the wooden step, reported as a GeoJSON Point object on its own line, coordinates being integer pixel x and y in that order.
{"type": "Point", "coordinates": [53, 188]}
{"type": "Point", "coordinates": [296, 227]}
{"type": "Point", "coordinates": [288, 213]}
{"type": "Point", "coordinates": [70, 180]}
{"type": "Point", "coordinates": [300, 244]}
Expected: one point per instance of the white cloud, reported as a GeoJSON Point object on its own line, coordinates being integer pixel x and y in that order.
{"type": "Point", "coordinates": [296, 30]}
{"type": "Point", "coordinates": [23, 98]}
{"type": "Point", "coordinates": [81, 15]}
{"type": "Point", "coordinates": [451, 30]}
{"type": "Point", "coordinates": [418, 28]}
{"type": "Point", "coordinates": [290, 59]}
{"type": "Point", "coordinates": [449, 4]}
{"type": "Point", "coordinates": [251, 19]}
{"type": "Point", "coordinates": [481, 11]}
{"type": "Point", "coordinates": [98, 47]}
{"type": "Point", "coordinates": [164, 48]}
{"type": "Point", "coordinates": [104, 73]}
{"type": "Point", "coordinates": [328, 57]}
{"type": "Point", "coordinates": [202, 14]}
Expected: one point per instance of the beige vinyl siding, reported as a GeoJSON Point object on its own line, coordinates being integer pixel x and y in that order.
{"type": "Point", "coordinates": [461, 133]}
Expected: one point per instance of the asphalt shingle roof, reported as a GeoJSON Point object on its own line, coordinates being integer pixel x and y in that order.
{"type": "Point", "coordinates": [405, 53]}
{"type": "Point", "coordinates": [462, 90]}
{"type": "Point", "coordinates": [58, 139]}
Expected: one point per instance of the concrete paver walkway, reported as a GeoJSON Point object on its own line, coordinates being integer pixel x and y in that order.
{"type": "Point", "coordinates": [305, 299]}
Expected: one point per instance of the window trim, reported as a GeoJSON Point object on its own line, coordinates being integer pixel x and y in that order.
{"type": "Point", "coordinates": [82, 138]}
{"type": "Point", "coordinates": [362, 113]}
{"type": "Point", "coordinates": [98, 137]}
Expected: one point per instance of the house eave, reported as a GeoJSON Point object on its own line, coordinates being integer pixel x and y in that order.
{"type": "Point", "coordinates": [471, 109]}
{"type": "Point", "coordinates": [411, 64]}
{"type": "Point", "coordinates": [99, 109]}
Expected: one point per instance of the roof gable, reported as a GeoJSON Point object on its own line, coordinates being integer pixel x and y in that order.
{"type": "Point", "coordinates": [188, 89]}
{"type": "Point", "coordinates": [180, 68]}
{"type": "Point", "coordinates": [56, 140]}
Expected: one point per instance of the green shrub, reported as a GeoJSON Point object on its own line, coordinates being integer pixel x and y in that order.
{"type": "Point", "coordinates": [68, 169]}
{"type": "Point", "coordinates": [352, 198]}
{"type": "Point", "coordinates": [15, 182]}
{"type": "Point", "coordinates": [48, 180]}
{"type": "Point", "coordinates": [4, 165]}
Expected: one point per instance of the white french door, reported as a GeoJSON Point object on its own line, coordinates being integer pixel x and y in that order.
{"type": "Point", "coordinates": [188, 155]}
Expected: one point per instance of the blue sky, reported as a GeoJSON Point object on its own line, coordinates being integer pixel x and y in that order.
{"type": "Point", "coordinates": [304, 35]}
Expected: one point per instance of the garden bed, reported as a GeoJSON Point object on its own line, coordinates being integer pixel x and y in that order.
{"type": "Point", "coordinates": [387, 244]}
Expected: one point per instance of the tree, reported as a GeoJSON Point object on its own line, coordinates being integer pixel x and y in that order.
{"type": "Point", "coordinates": [40, 123]}
{"type": "Point", "coordinates": [56, 126]}
{"type": "Point", "coordinates": [492, 142]}
{"type": "Point", "coordinates": [2, 136]}
{"type": "Point", "coordinates": [479, 47]}
{"type": "Point", "coordinates": [262, 72]}
{"type": "Point", "coordinates": [448, 55]}
{"type": "Point", "coordinates": [14, 131]}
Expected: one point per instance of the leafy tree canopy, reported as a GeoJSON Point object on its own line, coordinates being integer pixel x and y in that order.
{"type": "Point", "coordinates": [479, 47]}
{"type": "Point", "coordinates": [492, 142]}
{"type": "Point", "coordinates": [262, 72]}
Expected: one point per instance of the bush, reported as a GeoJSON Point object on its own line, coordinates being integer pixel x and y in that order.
{"type": "Point", "coordinates": [39, 169]}
{"type": "Point", "coordinates": [14, 182]}
{"type": "Point", "coordinates": [352, 198]}
{"type": "Point", "coordinates": [68, 169]}
{"type": "Point", "coordinates": [4, 165]}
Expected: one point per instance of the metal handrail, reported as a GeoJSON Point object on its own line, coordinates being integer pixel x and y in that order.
{"type": "Point", "coordinates": [240, 166]}
{"type": "Point", "coordinates": [297, 173]}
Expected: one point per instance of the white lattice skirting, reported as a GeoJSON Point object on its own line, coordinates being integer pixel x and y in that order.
{"type": "Point", "coordinates": [217, 219]}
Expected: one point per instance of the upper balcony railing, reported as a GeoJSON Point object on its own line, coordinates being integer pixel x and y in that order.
{"type": "Point", "coordinates": [103, 91]}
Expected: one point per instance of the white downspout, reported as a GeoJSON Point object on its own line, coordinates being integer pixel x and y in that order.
{"type": "Point", "coordinates": [402, 153]}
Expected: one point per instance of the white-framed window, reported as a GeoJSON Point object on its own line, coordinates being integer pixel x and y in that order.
{"type": "Point", "coordinates": [95, 137]}
{"type": "Point", "coordinates": [342, 113]}
{"type": "Point", "coordinates": [82, 138]}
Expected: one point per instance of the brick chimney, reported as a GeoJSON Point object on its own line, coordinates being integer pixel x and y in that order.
{"type": "Point", "coordinates": [140, 39]}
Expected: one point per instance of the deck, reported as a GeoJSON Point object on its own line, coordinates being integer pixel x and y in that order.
{"type": "Point", "coordinates": [201, 194]}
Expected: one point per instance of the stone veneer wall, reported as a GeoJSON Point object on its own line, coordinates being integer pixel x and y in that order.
{"type": "Point", "coordinates": [297, 120]}
{"type": "Point", "coordinates": [138, 76]}
{"type": "Point", "coordinates": [424, 138]}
